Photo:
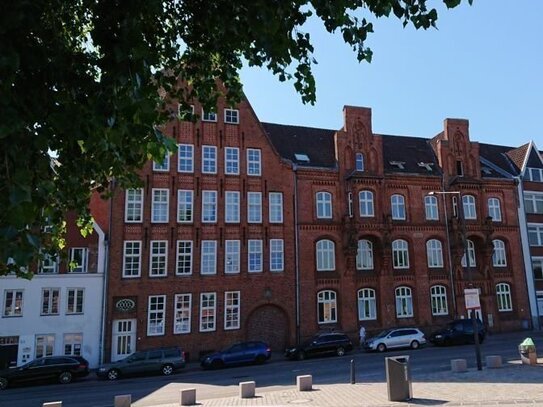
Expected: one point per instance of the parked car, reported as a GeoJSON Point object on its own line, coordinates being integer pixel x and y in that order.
{"type": "Point", "coordinates": [396, 338]}
{"type": "Point", "coordinates": [237, 354]}
{"type": "Point", "coordinates": [457, 332]}
{"type": "Point", "coordinates": [324, 343]}
{"type": "Point", "coordinates": [150, 361]}
{"type": "Point", "coordinates": [61, 368]}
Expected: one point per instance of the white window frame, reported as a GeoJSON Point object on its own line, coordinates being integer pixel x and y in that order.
{"type": "Point", "coordinates": [397, 203]}
{"type": "Point", "coordinates": [471, 254]}
{"type": "Point", "coordinates": [254, 207]}
{"type": "Point", "coordinates": [184, 257]}
{"type": "Point", "coordinates": [365, 204]}
{"type": "Point", "coordinates": [72, 344]}
{"type": "Point", "coordinates": [323, 202]}
{"type": "Point", "coordinates": [359, 162]}
{"type": "Point", "coordinates": [434, 253]}
{"type": "Point", "coordinates": [158, 258]}
{"type": "Point", "coordinates": [469, 208]}
{"type": "Point", "coordinates": [46, 347]}
{"type": "Point", "coordinates": [400, 254]}
{"type": "Point", "coordinates": [51, 304]}
{"type": "Point", "coordinates": [160, 205]}
{"type": "Point", "coordinates": [185, 206]}
{"type": "Point", "coordinates": [494, 209]}
{"type": "Point", "coordinates": [160, 167]}
{"type": "Point", "coordinates": [185, 161]}
{"type": "Point", "coordinates": [533, 202]}
{"type": "Point", "coordinates": [531, 174]}
{"type": "Point", "coordinates": [325, 255]}
{"type": "Point", "coordinates": [431, 208]}
{"type": "Point", "coordinates": [367, 304]}
{"type": "Point", "coordinates": [48, 265]}
{"type": "Point", "coordinates": [254, 162]}
{"type": "Point", "coordinates": [404, 302]}
{"type": "Point", "coordinates": [231, 116]}
{"type": "Point", "coordinates": [537, 262]}
{"type": "Point", "coordinates": [364, 255]}
{"type": "Point", "coordinates": [133, 208]}
{"type": "Point", "coordinates": [503, 297]}
{"type": "Point", "coordinates": [277, 256]}
{"type": "Point", "coordinates": [208, 262]}
{"type": "Point", "coordinates": [231, 310]}
{"type": "Point", "coordinates": [182, 313]}
{"type": "Point", "coordinates": [209, 159]}
{"type": "Point", "coordinates": [535, 230]}
{"type": "Point", "coordinates": [156, 315]}
{"type": "Point", "coordinates": [80, 267]}
{"type": "Point", "coordinates": [209, 206]}
{"type": "Point", "coordinates": [75, 301]}
{"type": "Point", "coordinates": [231, 161]}
{"type": "Point", "coordinates": [275, 200]}
{"type": "Point", "coordinates": [232, 201]}
{"type": "Point", "coordinates": [499, 254]}
{"type": "Point", "coordinates": [208, 312]}
{"type": "Point", "coordinates": [209, 116]}
{"type": "Point", "coordinates": [438, 300]}
{"type": "Point", "coordinates": [254, 255]}
{"type": "Point", "coordinates": [13, 303]}
{"type": "Point", "coordinates": [232, 250]}
{"type": "Point", "coordinates": [326, 307]}
{"type": "Point", "coordinates": [132, 256]}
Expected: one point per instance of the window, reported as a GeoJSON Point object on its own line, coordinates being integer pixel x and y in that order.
{"type": "Point", "coordinates": [185, 205]}
{"type": "Point", "coordinates": [13, 303]}
{"type": "Point", "coordinates": [208, 304]}
{"type": "Point", "coordinates": [324, 205]}
{"type": "Point", "coordinates": [132, 258]}
{"type": "Point", "coordinates": [364, 255]}
{"type": "Point", "coordinates": [156, 313]}
{"type": "Point", "coordinates": [182, 309]}
{"type": "Point", "coordinates": [45, 344]}
{"type": "Point", "coordinates": [365, 200]}
{"type": "Point", "coordinates": [231, 310]}
{"type": "Point", "coordinates": [535, 174]}
{"type": "Point", "coordinates": [209, 116]}
{"type": "Point", "coordinates": [253, 162]}
{"type": "Point", "coordinates": [209, 159]}
{"type": "Point", "coordinates": [367, 304]}
{"type": "Point", "coordinates": [209, 257]}
{"type": "Point", "coordinates": [434, 253]}
{"type": "Point", "coordinates": [254, 207]}
{"type": "Point", "coordinates": [186, 158]}
{"type": "Point", "coordinates": [73, 344]}
{"type": "Point", "coordinates": [48, 264]}
{"type": "Point", "coordinates": [255, 256]}
{"type": "Point", "coordinates": [494, 210]}
{"type": "Point", "coordinates": [231, 116]}
{"type": "Point", "coordinates": [276, 207]}
{"type": "Point", "coordinates": [471, 254]}
{"type": "Point", "coordinates": [359, 162]}
{"type": "Point", "coordinates": [326, 306]}
{"type": "Point", "coordinates": [184, 258]}
{"type": "Point", "coordinates": [74, 304]}
{"type": "Point", "coordinates": [438, 299]}
{"type": "Point", "coordinates": [231, 206]}
{"type": "Point", "coordinates": [159, 205]}
{"type": "Point", "coordinates": [535, 235]}
{"type": "Point", "coordinates": [231, 160]}
{"type": "Point", "coordinates": [326, 260]}
{"type": "Point", "coordinates": [537, 267]}
{"type": "Point", "coordinates": [468, 203]}
{"type": "Point", "coordinates": [503, 296]}
{"type": "Point", "coordinates": [404, 302]}
{"type": "Point", "coordinates": [158, 259]}
{"type": "Point", "coordinates": [498, 256]}
{"type": "Point", "coordinates": [133, 211]}
{"type": "Point", "coordinates": [231, 256]}
{"type": "Point", "coordinates": [398, 207]}
{"type": "Point", "coordinates": [164, 165]}
{"type": "Point", "coordinates": [400, 254]}
{"type": "Point", "coordinates": [209, 206]}
{"type": "Point", "coordinates": [78, 259]}
{"type": "Point", "coordinates": [459, 169]}
{"type": "Point", "coordinates": [276, 255]}
{"type": "Point", "coordinates": [50, 301]}
{"type": "Point", "coordinates": [350, 204]}
{"type": "Point", "coordinates": [533, 203]}
{"type": "Point", "coordinates": [430, 207]}
{"type": "Point", "coordinates": [185, 112]}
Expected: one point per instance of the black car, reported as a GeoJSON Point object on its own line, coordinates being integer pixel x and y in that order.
{"type": "Point", "coordinates": [237, 354]}
{"type": "Point", "coordinates": [61, 368]}
{"type": "Point", "coordinates": [321, 344]}
{"type": "Point", "coordinates": [457, 332]}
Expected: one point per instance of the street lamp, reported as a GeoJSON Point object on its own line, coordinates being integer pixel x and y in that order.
{"type": "Point", "coordinates": [460, 213]}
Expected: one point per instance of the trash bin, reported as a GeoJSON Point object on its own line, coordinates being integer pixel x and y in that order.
{"type": "Point", "coordinates": [528, 355]}
{"type": "Point", "coordinates": [398, 378]}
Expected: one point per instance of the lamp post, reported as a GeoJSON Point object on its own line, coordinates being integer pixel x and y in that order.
{"type": "Point", "coordinates": [460, 213]}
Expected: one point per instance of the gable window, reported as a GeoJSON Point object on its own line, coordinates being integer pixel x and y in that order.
{"type": "Point", "coordinates": [231, 160]}
{"type": "Point", "coordinates": [326, 255]}
{"type": "Point", "coordinates": [468, 203]}
{"type": "Point", "coordinates": [133, 211]}
{"type": "Point", "coordinates": [438, 299]}
{"type": "Point", "coordinates": [326, 306]}
{"type": "Point", "coordinates": [231, 310]}
{"type": "Point", "coordinates": [158, 259]}
{"type": "Point", "coordinates": [208, 309]}
{"type": "Point", "coordinates": [231, 116]}
{"type": "Point", "coordinates": [364, 255]}
{"type": "Point", "coordinates": [498, 256]}
{"type": "Point", "coordinates": [209, 116]}
{"type": "Point", "coordinates": [13, 303]}
{"type": "Point", "coordinates": [156, 315]}
{"type": "Point", "coordinates": [209, 206]}
{"type": "Point", "coordinates": [434, 253]}
{"type": "Point", "coordinates": [459, 169]}
{"type": "Point", "coordinates": [400, 254]}
{"type": "Point", "coordinates": [231, 205]}
{"type": "Point", "coordinates": [255, 256]}
{"type": "Point", "coordinates": [132, 258]}
{"type": "Point", "coordinates": [367, 304]}
{"type": "Point", "coordinates": [430, 207]}
{"type": "Point", "coordinates": [471, 254]}
{"type": "Point", "coordinates": [184, 257]}
{"type": "Point", "coordinates": [164, 165]}
{"type": "Point", "coordinates": [276, 207]}
{"type": "Point", "coordinates": [78, 259]}
{"type": "Point", "coordinates": [254, 207]}
{"type": "Point", "coordinates": [276, 255]}
{"type": "Point", "coordinates": [209, 257]}
{"type": "Point", "coordinates": [494, 210]}
{"type": "Point", "coordinates": [185, 205]}
{"type": "Point", "coordinates": [365, 200]}
{"type": "Point", "coordinates": [398, 207]}
{"type": "Point", "coordinates": [404, 302]}
{"type": "Point", "coordinates": [324, 205]}
{"type": "Point", "coordinates": [533, 202]}
{"type": "Point", "coordinates": [503, 297]}
{"type": "Point", "coordinates": [75, 301]}
{"type": "Point", "coordinates": [50, 301]}
{"type": "Point", "coordinates": [535, 174]}
{"type": "Point", "coordinates": [186, 158]}
{"type": "Point", "coordinates": [182, 307]}
{"type": "Point", "coordinates": [359, 162]}
{"type": "Point", "coordinates": [209, 159]}
{"type": "Point", "coordinates": [159, 205]}
{"type": "Point", "coordinates": [253, 162]}
{"type": "Point", "coordinates": [231, 256]}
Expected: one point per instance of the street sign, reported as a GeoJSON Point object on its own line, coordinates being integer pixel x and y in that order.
{"type": "Point", "coordinates": [471, 298]}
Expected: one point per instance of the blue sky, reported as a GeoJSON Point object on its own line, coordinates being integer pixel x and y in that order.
{"type": "Point", "coordinates": [484, 63]}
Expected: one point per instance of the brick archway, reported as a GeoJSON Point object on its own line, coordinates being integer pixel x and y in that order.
{"type": "Point", "coordinates": [268, 323]}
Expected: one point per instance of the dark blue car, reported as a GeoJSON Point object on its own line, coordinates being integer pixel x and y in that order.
{"type": "Point", "coordinates": [237, 354]}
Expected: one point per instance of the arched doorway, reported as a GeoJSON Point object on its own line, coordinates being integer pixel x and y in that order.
{"type": "Point", "coordinates": [268, 323]}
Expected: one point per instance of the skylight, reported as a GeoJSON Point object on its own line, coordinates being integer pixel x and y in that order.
{"type": "Point", "coordinates": [399, 164]}
{"type": "Point", "coordinates": [301, 157]}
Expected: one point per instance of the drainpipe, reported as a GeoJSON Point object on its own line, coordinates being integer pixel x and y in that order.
{"type": "Point", "coordinates": [451, 271]}
{"type": "Point", "coordinates": [296, 253]}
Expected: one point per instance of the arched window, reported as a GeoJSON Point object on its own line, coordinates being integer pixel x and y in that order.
{"type": "Point", "coordinates": [324, 205]}
{"type": "Point", "coordinates": [404, 302]}
{"type": "Point", "coordinates": [365, 201]}
{"type": "Point", "coordinates": [359, 161]}
{"type": "Point", "coordinates": [468, 202]}
{"type": "Point", "coordinates": [430, 207]}
{"type": "Point", "coordinates": [498, 257]}
{"type": "Point", "coordinates": [434, 253]}
{"type": "Point", "coordinates": [494, 209]}
{"type": "Point", "coordinates": [503, 296]}
{"type": "Point", "coordinates": [400, 254]}
{"type": "Point", "coordinates": [326, 306]}
{"type": "Point", "coordinates": [438, 298]}
{"type": "Point", "coordinates": [471, 254]}
{"type": "Point", "coordinates": [364, 256]}
{"type": "Point", "coordinates": [398, 207]}
{"type": "Point", "coordinates": [367, 304]}
{"type": "Point", "coordinates": [326, 259]}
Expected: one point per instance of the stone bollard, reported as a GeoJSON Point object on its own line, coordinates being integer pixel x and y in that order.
{"type": "Point", "coordinates": [124, 400]}
{"type": "Point", "coordinates": [52, 404]}
{"type": "Point", "coordinates": [188, 397]}
{"type": "Point", "coordinates": [459, 365]}
{"type": "Point", "coordinates": [247, 390]}
{"type": "Point", "coordinates": [493, 361]}
{"type": "Point", "coordinates": [304, 383]}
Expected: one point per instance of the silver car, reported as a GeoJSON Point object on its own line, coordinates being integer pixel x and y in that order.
{"type": "Point", "coordinates": [396, 338]}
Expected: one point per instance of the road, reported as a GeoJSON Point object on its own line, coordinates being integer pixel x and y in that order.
{"type": "Point", "coordinates": [274, 375]}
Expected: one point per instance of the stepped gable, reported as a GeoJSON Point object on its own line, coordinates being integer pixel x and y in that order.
{"type": "Point", "coordinates": [412, 153]}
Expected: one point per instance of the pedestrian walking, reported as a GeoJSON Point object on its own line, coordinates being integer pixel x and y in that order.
{"type": "Point", "coordinates": [362, 335]}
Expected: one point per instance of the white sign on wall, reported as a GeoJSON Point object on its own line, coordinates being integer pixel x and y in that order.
{"type": "Point", "coordinates": [471, 298]}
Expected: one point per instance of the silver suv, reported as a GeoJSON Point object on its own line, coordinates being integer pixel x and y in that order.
{"type": "Point", "coordinates": [396, 338]}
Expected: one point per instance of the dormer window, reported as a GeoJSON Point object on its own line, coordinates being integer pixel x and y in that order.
{"type": "Point", "coordinates": [459, 168]}
{"type": "Point", "coordinates": [398, 164]}
{"type": "Point", "coordinates": [359, 162]}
